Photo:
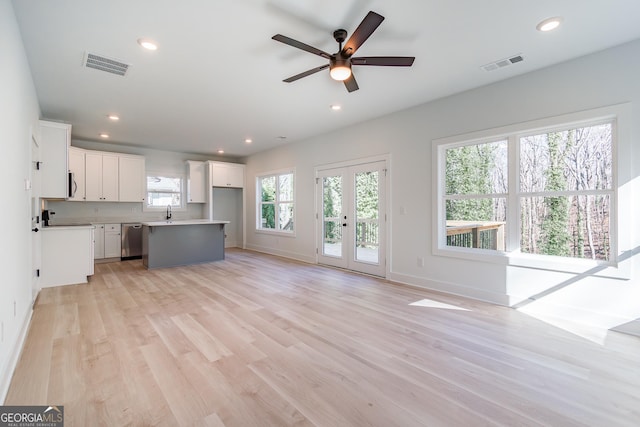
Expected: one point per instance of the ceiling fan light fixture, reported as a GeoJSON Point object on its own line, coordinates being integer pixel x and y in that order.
{"type": "Point", "coordinates": [340, 72]}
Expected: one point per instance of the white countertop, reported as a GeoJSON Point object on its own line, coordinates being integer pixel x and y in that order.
{"type": "Point", "coordinates": [68, 227]}
{"type": "Point", "coordinates": [184, 222]}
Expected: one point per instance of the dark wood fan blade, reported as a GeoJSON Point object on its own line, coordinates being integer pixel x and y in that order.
{"type": "Point", "coordinates": [388, 61]}
{"type": "Point", "coordinates": [300, 45]}
{"type": "Point", "coordinates": [306, 73]}
{"type": "Point", "coordinates": [351, 84]}
{"type": "Point", "coordinates": [362, 33]}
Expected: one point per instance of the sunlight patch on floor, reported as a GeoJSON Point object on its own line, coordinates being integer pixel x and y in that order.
{"type": "Point", "coordinates": [593, 333]}
{"type": "Point", "coordinates": [436, 304]}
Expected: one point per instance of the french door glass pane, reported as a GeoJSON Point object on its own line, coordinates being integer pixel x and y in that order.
{"type": "Point", "coordinates": [367, 225]}
{"type": "Point", "coordinates": [332, 210]}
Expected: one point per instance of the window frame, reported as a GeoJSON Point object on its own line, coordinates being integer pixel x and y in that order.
{"type": "Point", "coordinates": [276, 202]}
{"type": "Point", "coordinates": [183, 204]}
{"type": "Point", "coordinates": [617, 115]}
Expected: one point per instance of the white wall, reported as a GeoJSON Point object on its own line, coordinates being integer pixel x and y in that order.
{"type": "Point", "coordinates": [19, 112]}
{"type": "Point", "coordinates": [606, 78]}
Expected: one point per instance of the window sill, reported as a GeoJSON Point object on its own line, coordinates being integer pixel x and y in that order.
{"type": "Point", "coordinates": [276, 232]}
{"type": "Point", "coordinates": [608, 269]}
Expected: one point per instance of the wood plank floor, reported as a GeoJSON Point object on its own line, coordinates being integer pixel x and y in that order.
{"type": "Point", "coordinates": [257, 340]}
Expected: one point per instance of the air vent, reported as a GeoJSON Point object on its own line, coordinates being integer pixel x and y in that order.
{"type": "Point", "coordinates": [103, 63]}
{"type": "Point", "coordinates": [502, 63]}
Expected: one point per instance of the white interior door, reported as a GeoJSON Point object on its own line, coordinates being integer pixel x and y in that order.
{"type": "Point", "coordinates": [351, 225]}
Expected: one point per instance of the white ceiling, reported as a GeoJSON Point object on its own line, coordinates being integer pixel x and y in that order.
{"type": "Point", "coordinates": [216, 78]}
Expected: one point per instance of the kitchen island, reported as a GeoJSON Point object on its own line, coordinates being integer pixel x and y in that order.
{"type": "Point", "coordinates": [185, 242]}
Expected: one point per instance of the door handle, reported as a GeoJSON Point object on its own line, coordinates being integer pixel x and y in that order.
{"type": "Point", "coordinates": [344, 224]}
{"type": "Point", "coordinates": [35, 230]}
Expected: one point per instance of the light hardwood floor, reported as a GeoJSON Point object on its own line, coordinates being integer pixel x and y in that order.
{"type": "Point", "coordinates": [257, 340]}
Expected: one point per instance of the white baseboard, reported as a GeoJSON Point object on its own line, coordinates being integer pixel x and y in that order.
{"type": "Point", "coordinates": [285, 254]}
{"type": "Point", "coordinates": [450, 288]}
{"type": "Point", "coordinates": [14, 356]}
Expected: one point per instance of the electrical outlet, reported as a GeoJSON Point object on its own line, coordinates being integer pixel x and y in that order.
{"type": "Point", "coordinates": [420, 261]}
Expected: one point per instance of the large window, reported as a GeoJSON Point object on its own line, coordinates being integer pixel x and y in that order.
{"type": "Point", "coordinates": [164, 190]}
{"type": "Point", "coordinates": [276, 202]}
{"type": "Point", "coordinates": [548, 191]}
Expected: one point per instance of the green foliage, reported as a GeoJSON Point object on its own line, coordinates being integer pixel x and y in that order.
{"type": "Point", "coordinates": [268, 186]}
{"type": "Point", "coordinates": [468, 171]}
{"type": "Point", "coordinates": [367, 195]}
{"type": "Point", "coordinates": [555, 237]}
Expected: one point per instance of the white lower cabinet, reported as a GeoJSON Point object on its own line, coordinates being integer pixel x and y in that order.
{"type": "Point", "coordinates": [67, 255]}
{"type": "Point", "coordinates": [108, 241]}
{"type": "Point", "coordinates": [98, 242]}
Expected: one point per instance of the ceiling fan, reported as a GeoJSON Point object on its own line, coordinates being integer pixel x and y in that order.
{"type": "Point", "coordinates": [340, 62]}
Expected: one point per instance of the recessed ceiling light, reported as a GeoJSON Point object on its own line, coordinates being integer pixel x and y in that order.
{"type": "Point", "coordinates": [148, 44]}
{"type": "Point", "coordinates": [104, 135]}
{"type": "Point", "coordinates": [248, 140]}
{"type": "Point", "coordinates": [113, 117]}
{"type": "Point", "coordinates": [336, 107]}
{"type": "Point", "coordinates": [549, 24]}
{"type": "Point", "coordinates": [220, 151]}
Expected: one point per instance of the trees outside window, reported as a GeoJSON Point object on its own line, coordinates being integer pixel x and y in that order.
{"type": "Point", "coordinates": [566, 187]}
{"type": "Point", "coordinates": [554, 188]}
{"type": "Point", "coordinates": [276, 202]}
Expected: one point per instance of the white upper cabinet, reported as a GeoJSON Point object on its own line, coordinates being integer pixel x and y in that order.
{"type": "Point", "coordinates": [101, 176]}
{"type": "Point", "coordinates": [196, 181]}
{"type": "Point", "coordinates": [55, 139]}
{"type": "Point", "coordinates": [226, 174]}
{"type": "Point", "coordinates": [131, 178]}
{"type": "Point", "coordinates": [77, 173]}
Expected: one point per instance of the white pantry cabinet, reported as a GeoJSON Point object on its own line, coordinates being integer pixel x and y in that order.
{"type": "Point", "coordinates": [131, 178]}
{"type": "Point", "coordinates": [226, 174]}
{"type": "Point", "coordinates": [55, 139]}
{"type": "Point", "coordinates": [67, 255]}
{"type": "Point", "coordinates": [77, 171]}
{"type": "Point", "coordinates": [196, 181]}
{"type": "Point", "coordinates": [101, 176]}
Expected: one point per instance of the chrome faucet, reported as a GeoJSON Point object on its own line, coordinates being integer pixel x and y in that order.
{"type": "Point", "coordinates": [168, 212]}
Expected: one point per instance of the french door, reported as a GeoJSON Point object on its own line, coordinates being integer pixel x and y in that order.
{"type": "Point", "coordinates": [351, 217]}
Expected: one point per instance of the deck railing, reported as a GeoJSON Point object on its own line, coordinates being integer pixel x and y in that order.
{"type": "Point", "coordinates": [366, 231]}
{"type": "Point", "coordinates": [475, 234]}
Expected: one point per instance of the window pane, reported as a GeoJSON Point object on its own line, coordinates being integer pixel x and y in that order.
{"type": "Point", "coordinates": [286, 187]}
{"type": "Point", "coordinates": [268, 216]}
{"type": "Point", "coordinates": [164, 184]}
{"type": "Point", "coordinates": [476, 223]}
{"type": "Point", "coordinates": [285, 216]}
{"type": "Point", "coordinates": [332, 187]}
{"type": "Point", "coordinates": [477, 169]}
{"type": "Point", "coordinates": [268, 185]}
{"type": "Point", "coordinates": [575, 226]}
{"type": "Point", "coordinates": [575, 159]}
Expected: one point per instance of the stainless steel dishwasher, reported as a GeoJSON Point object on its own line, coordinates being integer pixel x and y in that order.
{"type": "Point", "coordinates": [131, 241]}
